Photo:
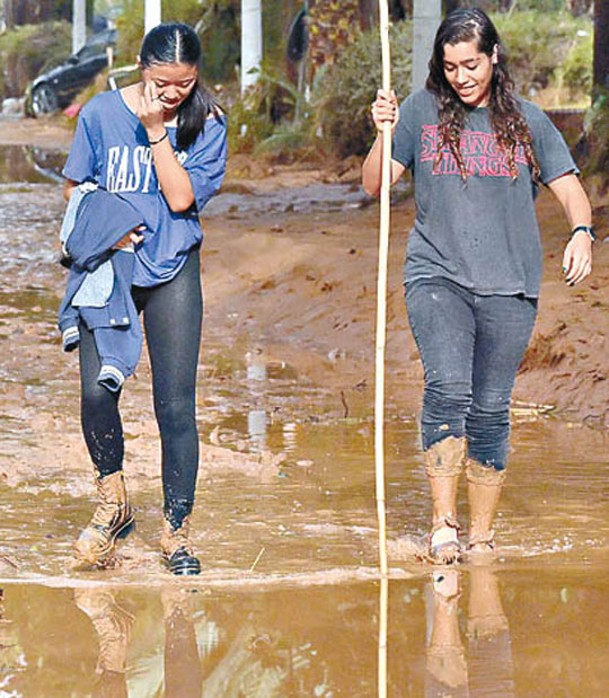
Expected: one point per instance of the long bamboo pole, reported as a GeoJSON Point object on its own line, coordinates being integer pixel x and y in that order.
{"type": "Point", "coordinates": [381, 333]}
{"type": "Point", "coordinates": [381, 300]}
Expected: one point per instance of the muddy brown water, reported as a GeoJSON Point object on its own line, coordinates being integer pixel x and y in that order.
{"type": "Point", "coordinates": [288, 602]}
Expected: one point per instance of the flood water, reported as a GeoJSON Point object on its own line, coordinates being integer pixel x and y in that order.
{"type": "Point", "coordinates": [289, 602]}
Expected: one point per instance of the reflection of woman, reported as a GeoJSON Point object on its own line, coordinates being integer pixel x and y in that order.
{"type": "Point", "coordinates": [489, 666]}
{"type": "Point", "coordinates": [473, 269]}
{"type": "Point", "coordinates": [161, 146]}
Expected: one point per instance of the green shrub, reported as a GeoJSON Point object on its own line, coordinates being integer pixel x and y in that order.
{"type": "Point", "coordinates": [577, 67]}
{"type": "Point", "coordinates": [253, 118]}
{"type": "Point", "coordinates": [344, 91]}
{"type": "Point", "coordinates": [28, 50]}
{"type": "Point", "coordinates": [547, 49]}
{"type": "Point", "coordinates": [597, 138]}
{"type": "Point", "coordinates": [130, 23]}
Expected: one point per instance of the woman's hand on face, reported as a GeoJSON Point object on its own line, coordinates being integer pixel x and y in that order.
{"type": "Point", "coordinates": [385, 109]}
{"type": "Point", "coordinates": [577, 259]}
{"type": "Point", "coordinates": [150, 111]}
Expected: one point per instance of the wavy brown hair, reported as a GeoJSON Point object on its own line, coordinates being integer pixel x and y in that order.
{"type": "Point", "coordinates": [507, 120]}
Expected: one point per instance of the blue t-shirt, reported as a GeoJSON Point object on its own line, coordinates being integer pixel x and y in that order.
{"type": "Point", "coordinates": [111, 147]}
{"type": "Point", "coordinates": [481, 234]}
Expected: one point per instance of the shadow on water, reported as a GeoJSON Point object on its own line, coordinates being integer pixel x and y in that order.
{"type": "Point", "coordinates": [288, 601]}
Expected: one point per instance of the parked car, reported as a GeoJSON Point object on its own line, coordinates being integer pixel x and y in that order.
{"type": "Point", "coordinates": [57, 88]}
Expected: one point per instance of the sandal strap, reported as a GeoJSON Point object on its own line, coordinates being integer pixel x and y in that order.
{"type": "Point", "coordinates": [443, 536]}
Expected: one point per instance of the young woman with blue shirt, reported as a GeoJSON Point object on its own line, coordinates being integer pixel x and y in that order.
{"type": "Point", "coordinates": [478, 154]}
{"type": "Point", "coordinates": [161, 145]}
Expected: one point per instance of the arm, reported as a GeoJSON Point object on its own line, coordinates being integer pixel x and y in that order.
{"type": "Point", "coordinates": [173, 179]}
{"type": "Point", "coordinates": [68, 188]}
{"type": "Point", "coordinates": [385, 108]}
{"type": "Point", "coordinates": [577, 258]}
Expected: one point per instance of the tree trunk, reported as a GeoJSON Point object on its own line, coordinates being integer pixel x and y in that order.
{"type": "Point", "coordinates": [426, 15]}
{"type": "Point", "coordinates": [450, 5]}
{"type": "Point", "coordinates": [601, 45]}
{"type": "Point", "coordinates": [579, 7]}
{"type": "Point", "coordinates": [79, 25]}
{"type": "Point", "coordinates": [369, 13]}
{"type": "Point", "coordinates": [251, 42]}
{"type": "Point", "coordinates": [9, 18]}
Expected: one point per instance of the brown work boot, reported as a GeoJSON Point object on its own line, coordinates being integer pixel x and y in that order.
{"type": "Point", "coordinates": [177, 549]}
{"type": "Point", "coordinates": [113, 518]}
{"type": "Point", "coordinates": [444, 463]}
{"type": "Point", "coordinates": [484, 485]}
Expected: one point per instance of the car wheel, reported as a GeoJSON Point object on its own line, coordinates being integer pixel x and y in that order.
{"type": "Point", "coordinates": [44, 100]}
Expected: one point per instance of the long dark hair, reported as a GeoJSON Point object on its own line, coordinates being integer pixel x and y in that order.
{"type": "Point", "coordinates": [173, 42]}
{"type": "Point", "coordinates": [507, 120]}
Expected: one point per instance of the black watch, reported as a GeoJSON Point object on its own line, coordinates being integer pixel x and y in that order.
{"type": "Point", "coordinates": [588, 229]}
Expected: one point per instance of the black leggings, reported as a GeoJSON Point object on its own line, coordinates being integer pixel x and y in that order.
{"type": "Point", "coordinates": [172, 322]}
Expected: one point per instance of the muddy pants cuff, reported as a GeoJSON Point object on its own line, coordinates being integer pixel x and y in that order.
{"type": "Point", "coordinates": [479, 474]}
{"type": "Point", "coordinates": [445, 458]}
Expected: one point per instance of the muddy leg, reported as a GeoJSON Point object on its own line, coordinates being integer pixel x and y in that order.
{"type": "Point", "coordinates": [445, 661]}
{"type": "Point", "coordinates": [484, 485]}
{"type": "Point", "coordinates": [443, 464]}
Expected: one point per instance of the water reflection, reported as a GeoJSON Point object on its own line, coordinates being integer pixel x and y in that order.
{"type": "Point", "coordinates": [26, 163]}
{"type": "Point", "coordinates": [486, 667]}
{"type": "Point", "coordinates": [11, 653]}
{"type": "Point", "coordinates": [472, 631]}
{"type": "Point", "coordinates": [178, 642]}
{"type": "Point", "coordinates": [181, 674]}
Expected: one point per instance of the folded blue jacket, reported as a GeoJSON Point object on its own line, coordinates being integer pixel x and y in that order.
{"type": "Point", "coordinates": [95, 220]}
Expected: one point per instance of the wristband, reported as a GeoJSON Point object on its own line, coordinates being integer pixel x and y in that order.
{"type": "Point", "coordinates": [589, 230]}
{"type": "Point", "coordinates": [159, 140]}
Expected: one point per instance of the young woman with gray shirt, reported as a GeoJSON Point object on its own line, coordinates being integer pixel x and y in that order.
{"type": "Point", "coordinates": [478, 154]}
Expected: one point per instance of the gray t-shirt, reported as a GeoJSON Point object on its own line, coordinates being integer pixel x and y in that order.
{"type": "Point", "coordinates": [482, 234]}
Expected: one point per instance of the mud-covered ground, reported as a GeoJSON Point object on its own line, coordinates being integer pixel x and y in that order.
{"type": "Point", "coordinates": [288, 601]}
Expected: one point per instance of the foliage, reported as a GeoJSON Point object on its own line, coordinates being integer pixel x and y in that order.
{"type": "Point", "coordinates": [28, 50]}
{"type": "Point", "coordinates": [344, 91]}
{"type": "Point", "coordinates": [577, 66]}
{"type": "Point", "coordinates": [331, 24]}
{"type": "Point", "coordinates": [130, 23]}
{"type": "Point", "coordinates": [597, 138]}
{"type": "Point", "coordinates": [265, 119]}
{"type": "Point", "coordinates": [545, 48]}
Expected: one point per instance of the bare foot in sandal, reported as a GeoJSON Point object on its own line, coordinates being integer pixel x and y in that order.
{"type": "Point", "coordinates": [444, 546]}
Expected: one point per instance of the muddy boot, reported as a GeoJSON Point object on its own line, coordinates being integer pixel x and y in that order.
{"type": "Point", "coordinates": [177, 549]}
{"type": "Point", "coordinates": [112, 625]}
{"type": "Point", "coordinates": [443, 464]}
{"type": "Point", "coordinates": [484, 485]}
{"type": "Point", "coordinates": [113, 518]}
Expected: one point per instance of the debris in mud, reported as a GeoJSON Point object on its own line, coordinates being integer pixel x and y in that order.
{"type": "Point", "coordinates": [263, 465]}
{"type": "Point", "coordinates": [7, 563]}
{"type": "Point", "coordinates": [408, 547]}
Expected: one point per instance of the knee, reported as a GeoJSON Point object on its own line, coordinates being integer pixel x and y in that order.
{"type": "Point", "coordinates": [175, 415]}
{"type": "Point", "coordinates": [493, 408]}
{"type": "Point", "coordinates": [447, 398]}
{"type": "Point", "coordinates": [97, 400]}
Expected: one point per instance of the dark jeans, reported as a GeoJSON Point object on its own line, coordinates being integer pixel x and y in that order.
{"type": "Point", "coordinates": [172, 314]}
{"type": "Point", "coordinates": [471, 347]}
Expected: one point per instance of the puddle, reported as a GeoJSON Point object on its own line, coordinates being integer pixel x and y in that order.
{"type": "Point", "coordinates": [288, 601]}
{"type": "Point", "coordinates": [502, 634]}
{"type": "Point", "coordinates": [26, 163]}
